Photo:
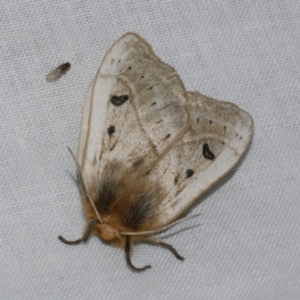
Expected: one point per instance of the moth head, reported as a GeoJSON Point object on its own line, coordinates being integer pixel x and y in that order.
{"type": "Point", "coordinates": [108, 232]}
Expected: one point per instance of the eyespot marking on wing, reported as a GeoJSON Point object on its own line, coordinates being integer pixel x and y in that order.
{"type": "Point", "coordinates": [111, 130]}
{"type": "Point", "coordinates": [118, 100]}
{"type": "Point", "coordinates": [207, 153]}
{"type": "Point", "coordinates": [189, 173]}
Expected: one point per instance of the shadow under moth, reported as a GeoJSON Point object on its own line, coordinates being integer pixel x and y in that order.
{"type": "Point", "coordinates": [148, 148]}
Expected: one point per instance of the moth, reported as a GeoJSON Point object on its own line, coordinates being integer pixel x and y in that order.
{"type": "Point", "coordinates": [148, 148]}
{"type": "Point", "coordinates": [58, 72]}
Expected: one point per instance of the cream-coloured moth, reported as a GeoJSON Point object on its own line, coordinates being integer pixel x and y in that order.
{"type": "Point", "coordinates": [58, 72]}
{"type": "Point", "coordinates": [148, 148]}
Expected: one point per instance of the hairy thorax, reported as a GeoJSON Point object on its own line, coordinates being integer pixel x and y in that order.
{"type": "Point", "coordinates": [109, 233]}
{"type": "Point", "coordinates": [126, 202]}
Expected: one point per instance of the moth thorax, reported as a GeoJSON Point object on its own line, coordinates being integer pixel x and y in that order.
{"type": "Point", "coordinates": [108, 233]}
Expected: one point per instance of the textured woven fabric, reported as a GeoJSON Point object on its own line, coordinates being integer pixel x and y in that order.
{"type": "Point", "coordinates": [248, 243]}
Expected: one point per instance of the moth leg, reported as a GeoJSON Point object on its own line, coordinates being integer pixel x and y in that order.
{"type": "Point", "coordinates": [85, 236]}
{"type": "Point", "coordinates": [163, 244]}
{"type": "Point", "coordinates": [128, 260]}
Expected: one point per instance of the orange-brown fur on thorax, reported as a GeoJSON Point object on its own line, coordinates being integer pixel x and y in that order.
{"type": "Point", "coordinates": [126, 202]}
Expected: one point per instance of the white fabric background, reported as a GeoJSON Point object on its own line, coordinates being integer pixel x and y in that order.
{"type": "Point", "coordinates": [247, 246]}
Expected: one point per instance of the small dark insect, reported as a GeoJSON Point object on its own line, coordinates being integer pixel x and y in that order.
{"type": "Point", "coordinates": [58, 72]}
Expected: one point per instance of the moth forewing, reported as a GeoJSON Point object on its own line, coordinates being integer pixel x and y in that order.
{"type": "Point", "coordinates": [148, 148]}
{"type": "Point", "coordinates": [84, 127]}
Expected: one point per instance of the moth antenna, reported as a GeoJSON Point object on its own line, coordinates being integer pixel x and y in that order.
{"type": "Point", "coordinates": [160, 229]}
{"type": "Point", "coordinates": [128, 260]}
{"type": "Point", "coordinates": [79, 171]}
{"type": "Point", "coordinates": [163, 244]}
{"type": "Point", "coordinates": [85, 236]}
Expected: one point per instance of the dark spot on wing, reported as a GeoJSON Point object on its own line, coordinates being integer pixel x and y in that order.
{"type": "Point", "coordinates": [189, 173]}
{"type": "Point", "coordinates": [138, 162]}
{"type": "Point", "coordinates": [224, 127]}
{"type": "Point", "coordinates": [210, 122]}
{"type": "Point", "coordinates": [111, 130]}
{"type": "Point", "coordinates": [159, 121]}
{"type": "Point", "coordinates": [142, 76]}
{"type": "Point", "coordinates": [118, 100]}
{"type": "Point", "coordinates": [207, 153]}
{"type": "Point", "coordinates": [112, 148]}
{"type": "Point", "coordinates": [176, 179]}
{"type": "Point", "coordinates": [129, 68]}
{"type": "Point", "coordinates": [198, 120]}
{"type": "Point", "coordinates": [167, 136]}
{"type": "Point", "coordinates": [153, 103]}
